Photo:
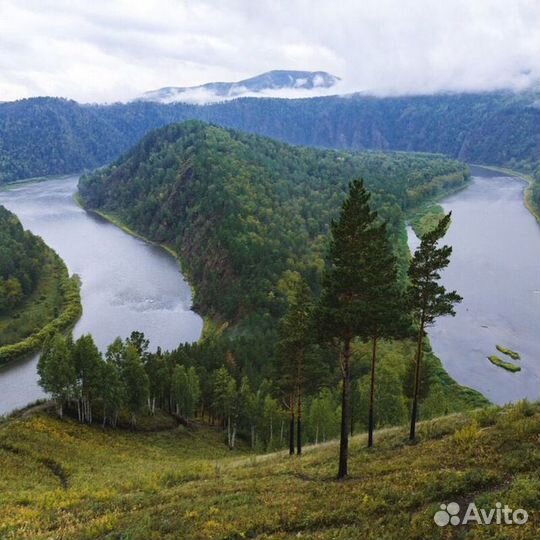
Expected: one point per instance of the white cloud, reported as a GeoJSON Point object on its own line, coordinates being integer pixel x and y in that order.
{"type": "Point", "coordinates": [118, 49]}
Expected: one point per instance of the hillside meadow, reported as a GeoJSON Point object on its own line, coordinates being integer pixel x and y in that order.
{"type": "Point", "coordinates": [62, 480]}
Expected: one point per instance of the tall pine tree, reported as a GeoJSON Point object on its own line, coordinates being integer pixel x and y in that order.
{"type": "Point", "coordinates": [385, 306]}
{"type": "Point", "coordinates": [427, 298]}
{"type": "Point", "coordinates": [342, 313]}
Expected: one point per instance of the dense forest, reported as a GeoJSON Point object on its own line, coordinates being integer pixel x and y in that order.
{"type": "Point", "coordinates": [243, 210]}
{"type": "Point", "coordinates": [43, 136]}
{"type": "Point", "coordinates": [22, 256]}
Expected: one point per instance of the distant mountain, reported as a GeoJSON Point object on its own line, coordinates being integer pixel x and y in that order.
{"type": "Point", "coordinates": [268, 83]}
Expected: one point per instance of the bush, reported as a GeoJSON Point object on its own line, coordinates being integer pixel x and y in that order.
{"type": "Point", "coordinates": [467, 436]}
{"type": "Point", "coordinates": [487, 416]}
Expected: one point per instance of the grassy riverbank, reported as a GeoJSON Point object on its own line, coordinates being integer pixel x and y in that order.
{"type": "Point", "coordinates": [425, 217]}
{"type": "Point", "coordinates": [111, 218]}
{"type": "Point", "coordinates": [55, 305]}
{"type": "Point", "coordinates": [63, 480]}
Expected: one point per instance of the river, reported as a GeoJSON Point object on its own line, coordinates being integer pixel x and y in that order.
{"type": "Point", "coordinates": [127, 284]}
{"type": "Point", "coordinates": [495, 266]}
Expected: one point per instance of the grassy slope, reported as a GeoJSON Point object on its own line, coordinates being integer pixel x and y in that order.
{"type": "Point", "coordinates": [62, 480]}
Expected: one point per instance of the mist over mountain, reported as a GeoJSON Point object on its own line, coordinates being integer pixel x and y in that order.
{"type": "Point", "coordinates": [277, 83]}
{"type": "Point", "coordinates": [43, 136]}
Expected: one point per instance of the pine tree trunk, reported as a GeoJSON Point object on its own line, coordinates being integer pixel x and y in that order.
{"type": "Point", "coordinates": [291, 428]}
{"type": "Point", "coordinates": [299, 424]}
{"type": "Point", "coordinates": [414, 411]}
{"type": "Point", "coordinates": [345, 410]}
{"type": "Point", "coordinates": [317, 434]}
{"type": "Point", "coordinates": [371, 420]}
{"type": "Point", "coordinates": [233, 436]}
{"type": "Point", "coordinates": [252, 436]}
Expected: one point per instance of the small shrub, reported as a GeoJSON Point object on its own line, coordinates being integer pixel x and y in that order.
{"type": "Point", "coordinates": [487, 416]}
{"type": "Point", "coordinates": [467, 436]}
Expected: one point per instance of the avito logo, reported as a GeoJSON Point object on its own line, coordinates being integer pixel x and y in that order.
{"type": "Point", "coordinates": [449, 514]}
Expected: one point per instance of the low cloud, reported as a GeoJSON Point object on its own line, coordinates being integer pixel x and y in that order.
{"type": "Point", "coordinates": [118, 49]}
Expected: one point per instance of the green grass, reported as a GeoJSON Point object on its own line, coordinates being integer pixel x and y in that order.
{"type": "Point", "coordinates": [62, 480]}
{"type": "Point", "coordinates": [509, 352]}
{"type": "Point", "coordinates": [495, 360]}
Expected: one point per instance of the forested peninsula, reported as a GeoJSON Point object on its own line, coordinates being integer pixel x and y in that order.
{"type": "Point", "coordinates": [37, 296]}
{"type": "Point", "coordinates": [247, 214]}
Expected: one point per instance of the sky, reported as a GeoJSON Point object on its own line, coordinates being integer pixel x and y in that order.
{"type": "Point", "coordinates": [114, 50]}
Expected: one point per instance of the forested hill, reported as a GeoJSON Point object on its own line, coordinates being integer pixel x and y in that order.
{"type": "Point", "coordinates": [242, 210]}
{"type": "Point", "coordinates": [43, 136]}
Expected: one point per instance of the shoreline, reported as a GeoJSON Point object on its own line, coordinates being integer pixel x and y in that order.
{"type": "Point", "coordinates": [36, 180]}
{"type": "Point", "coordinates": [527, 192]}
{"type": "Point", "coordinates": [210, 326]}
{"type": "Point", "coordinates": [65, 321]}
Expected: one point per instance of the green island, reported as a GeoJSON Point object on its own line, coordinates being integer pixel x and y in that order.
{"type": "Point", "coordinates": [509, 352]}
{"type": "Point", "coordinates": [495, 360]}
{"type": "Point", "coordinates": [37, 296]}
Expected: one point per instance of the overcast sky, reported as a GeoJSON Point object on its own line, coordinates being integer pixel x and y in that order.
{"type": "Point", "coordinates": [109, 50]}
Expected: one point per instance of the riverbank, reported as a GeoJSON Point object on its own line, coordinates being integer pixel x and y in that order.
{"type": "Point", "coordinates": [59, 294]}
{"type": "Point", "coordinates": [527, 194]}
{"type": "Point", "coordinates": [426, 216]}
{"type": "Point", "coordinates": [211, 326]}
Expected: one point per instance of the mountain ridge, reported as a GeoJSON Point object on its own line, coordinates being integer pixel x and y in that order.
{"type": "Point", "coordinates": [220, 91]}
{"type": "Point", "coordinates": [46, 136]}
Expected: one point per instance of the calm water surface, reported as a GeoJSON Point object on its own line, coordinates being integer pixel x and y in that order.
{"type": "Point", "coordinates": [127, 284]}
{"type": "Point", "coordinates": [495, 266]}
